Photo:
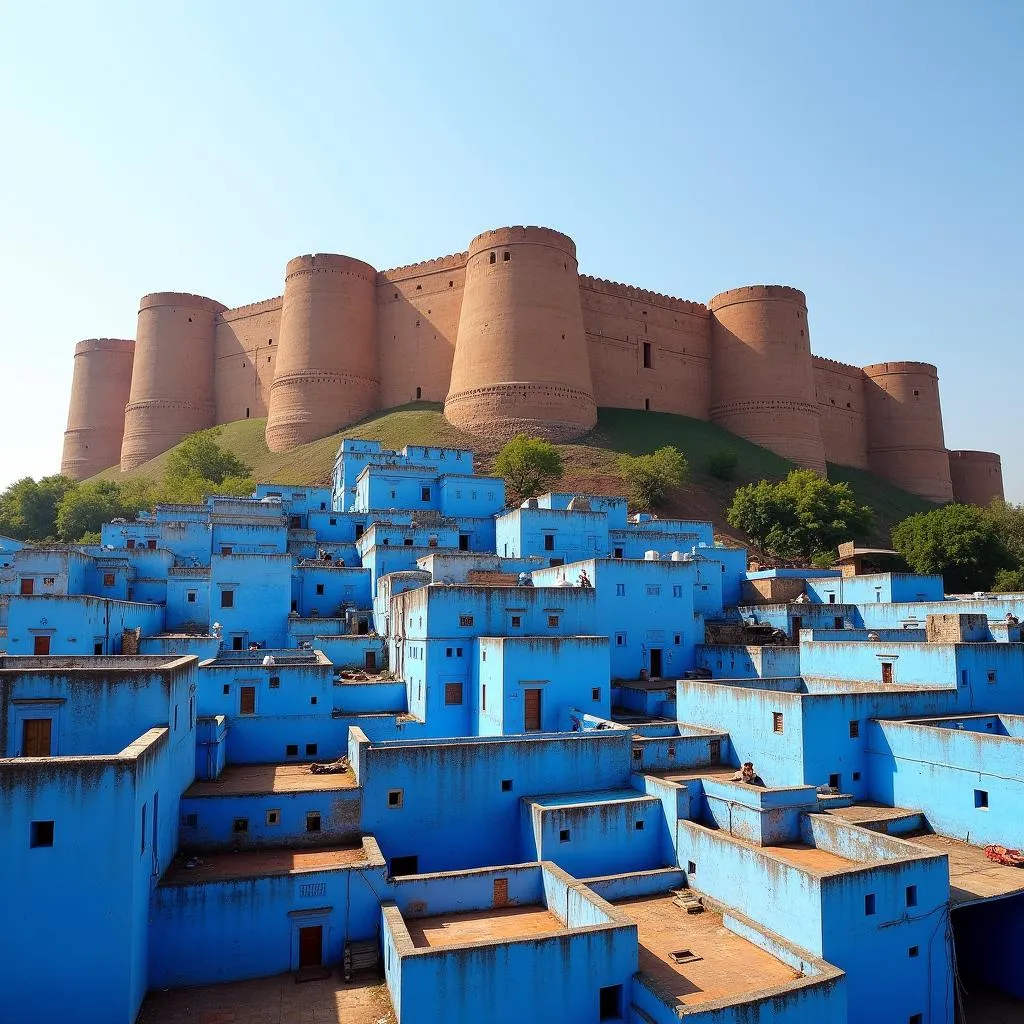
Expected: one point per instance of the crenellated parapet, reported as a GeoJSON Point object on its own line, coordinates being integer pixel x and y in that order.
{"type": "Point", "coordinates": [456, 261]}
{"type": "Point", "coordinates": [633, 293]}
{"type": "Point", "coordinates": [251, 309]}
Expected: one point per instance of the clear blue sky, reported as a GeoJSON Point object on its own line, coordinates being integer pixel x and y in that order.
{"type": "Point", "coordinates": [868, 152]}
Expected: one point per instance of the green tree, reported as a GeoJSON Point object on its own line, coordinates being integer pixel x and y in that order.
{"type": "Point", "coordinates": [192, 488]}
{"type": "Point", "coordinates": [1008, 520]}
{"type": "Point", "coordinates": [722, 463]}
{"type": "Point", "coordinates": [529, 465]}
{"type": "Point", "coordinates": [650, 478]}
{"type": "Point", "coordinates": [961, 542]}
{"type": "Point", "coordinates": [83, 510]}
{"type": "Point", "coordinates": [201, 455]}
{"type": "Point", "coordinates": [801, 515]}
{"type": "Point", "coordinates": [28, 509]}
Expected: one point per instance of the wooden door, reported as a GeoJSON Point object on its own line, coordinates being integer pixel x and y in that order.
{"type": "Point", "coordinates": [35, 737]}
{"type": "Point", "coordinates": [41, 645]}
{"type": "Point", "coordinates": [531, 710]}
{"type": "Point", "coordinates": [247, 701]}
{"type": "Point", "coordinates": [27, 586]}
{"type": "Point", "coordinates": [886, 671]}
{"type": "Point", "coordinates": [311, 946]}
{"type": "Point", "coordinates": [370, 661]}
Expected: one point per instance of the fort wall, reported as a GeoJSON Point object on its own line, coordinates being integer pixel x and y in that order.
{"type": "Point", "coordinates": [977, 477]}
{"type": "Point", "coordinates": [100, 388]}
{"type": "Point", "coordinates": [509, 336]}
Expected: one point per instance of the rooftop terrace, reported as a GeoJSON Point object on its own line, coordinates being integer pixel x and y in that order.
{"type": "Point", "coordinates": [251, 779]}
{"type": "Point", "coordinates": [721, 964]}
{"type": "Point", "coordinates": [972, 876]}
{"type": "Point", "coordinates": [491, 925]}
{"type": "Point", "coordinates": [221, 867]}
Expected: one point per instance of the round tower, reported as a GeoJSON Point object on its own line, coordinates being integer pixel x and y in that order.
{"type": "Point", "coordinates": [521, 362]}
{"type": "Point", "coordinates": [977, 477]}
{"type": "Point", "coordinates": [172, 392]}
{"type": "Point", "coordinates": [326, 373]}
{"type": "Point", "coordinates": [762, 376]}
{"type": "Point", "coordinates": [100, 387]}
{"type": "Point", "coordinates": [904, 419]}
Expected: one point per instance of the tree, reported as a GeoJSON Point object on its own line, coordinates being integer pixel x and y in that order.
{"type": "Point", "coordinates": [529, 465]}
{"type": "Point", "coordinates": [1008, 520]}
{"type": "Point", "coordinates": [801, 515]}
{"type": "Point", "coordinates": [961, 542]}
{"type": "Point", "coordinates": [651, 477]}
{"type": "Point", "coordinates": [201, 455]}
{"type": "Point", "coordinates": [722, 463]}
{"type": "Point", "coordinates": [83, 510]}
{"type": "Point", "coordinates": [28, 510]}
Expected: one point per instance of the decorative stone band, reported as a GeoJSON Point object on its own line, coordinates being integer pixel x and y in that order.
{"type": "Point", "coordinates": [323, 377]}
{"type": "Point", "coordinates": [553, 411]}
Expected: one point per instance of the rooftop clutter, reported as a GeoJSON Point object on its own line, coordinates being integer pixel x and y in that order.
{"type": "Point", "coordinates": [395, 723]}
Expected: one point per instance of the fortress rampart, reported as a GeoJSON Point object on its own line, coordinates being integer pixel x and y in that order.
{"type": "Point", "coordinates": [509, 336]}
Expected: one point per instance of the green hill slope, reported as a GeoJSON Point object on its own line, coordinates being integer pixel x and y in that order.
{"type": "Point", "coordinates": [590, 462]}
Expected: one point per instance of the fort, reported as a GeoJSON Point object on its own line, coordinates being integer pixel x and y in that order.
{"type": "Point", "coordinates": [509, 336]}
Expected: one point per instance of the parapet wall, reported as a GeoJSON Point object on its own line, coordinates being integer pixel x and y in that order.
{"type": "Point", "coordinates": [511, 337]}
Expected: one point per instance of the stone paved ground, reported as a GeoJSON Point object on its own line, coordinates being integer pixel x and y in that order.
{"type": "Point", "coordinates": [277, 1000]}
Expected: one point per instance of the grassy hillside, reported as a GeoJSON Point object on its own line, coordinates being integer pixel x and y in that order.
{"type": "Point", "coordinates": [590, 462]}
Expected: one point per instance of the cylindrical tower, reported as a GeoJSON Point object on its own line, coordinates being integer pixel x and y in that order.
{"type": "Point", "coordinates": [172, 378]}
{"type": "Point", "coordinates": [325, 376]}
{"type": "Point", "coordinates": [977, 477]}
{"type": "Point", "coordinates": [521, 360]}
{"type": "Point", "coordinates": [762, 376]}
{"type": "Point", "coordinates": [99, 392]}
{"type": "Point", "coordinates": [905, 444]}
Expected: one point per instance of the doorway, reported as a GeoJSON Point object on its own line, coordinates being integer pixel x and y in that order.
{"type": "Point", "coordinates": [41, 644]}
{"type": "Point", "coordinates": [798, 624]}
{"type": "Point", "coordinates": [887, 672]}
{"type": "Point", "coordinates": [370, 661]}
{"type": "Point", "coordinates": [655, 662]}
{"type": "Point", "coordinates": [531, 710]}
{"type": "Point", "coordinates": [36, 737]}
{"type": "Point", "coordinates": [311, 946]}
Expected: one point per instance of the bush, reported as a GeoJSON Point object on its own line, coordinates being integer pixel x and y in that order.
{"type": "Point", "coordinates": [650, 478]}
{"type": "Point", "coordinates": [722, 464]}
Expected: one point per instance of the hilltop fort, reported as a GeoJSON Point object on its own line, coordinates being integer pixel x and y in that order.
{"type": "Point", "coordinates": [509, 336]}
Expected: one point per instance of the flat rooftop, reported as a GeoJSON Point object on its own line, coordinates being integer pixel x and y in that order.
{"type": "Point", "coordinates": [972, 876]}
{"type": "Point", "coordinates": [253, 779]}
{"type": "Point", "coordinates": [705, 771]}
{"type": "Point", "coordinates": [867, 812]}
{"type": "Point", "coordinates": [492, 925]}
{"type": "Point", "coordinates": [220, 867]}
{"type": "Point", "coordinates": [811, 859]}
{"type": "Point", "coordinates": [728, 967]}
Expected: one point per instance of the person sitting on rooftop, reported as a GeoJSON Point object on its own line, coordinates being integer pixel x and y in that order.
{"type": "Point", "coordinates": [747, 775]}
{"type": "Point", "coordinates": [1011, 619]}
{"type": "Point", "coordinates": [802, 598]}
{"type": "Point", "coordinates": [584, 580]}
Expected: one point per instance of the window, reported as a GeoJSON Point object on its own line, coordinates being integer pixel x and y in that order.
{"type": "Point", "coordinates": [247, 700]}
{"type": "Point", "coordinates": [610, 1003]}
{"type": "Point", "coordinates": [914, 951]}
{"type": "Point", "coordinates": [677, 591]}
{"type": "Point", "coordinates": [419, 393]}
{"type": "Point", "coordinates": [549, 542]}
{"type": "Point", "coordinates": [916, 1018]}
{"type": "Point", "coordinates": [677, 638]}
{"type": "Point", "coordinates": [506, 256]}
{"type": "Point", "coordinates": [131, 544]}
{"type": "Point", "coordinates": [424, 494]}
{"type": "Point", "coordinates": [778, 724]}
{"type": "Point", "coordinates": [506, 785]}
{"type": "Point", "coordinates": [241, 825]}
{"type": "Point", "coordinates": [552, 621]}
{"type": "Point", "coordinates": [319, 589]}
{"type": "Point", "coordinates": [447, 652]}
{"type": "Point", "coordinates": [647, 355]}
{"type": "Point", "coordinates": [617, 553]}
{"type": "Point", "coordinates": [175, 726]}
{"type": "Point", "coordinates": [313, 821]}
{"type": "Point", "coordinates": [595, 693]}
{"type": "Point", "coordinates": [151, 544]}
{"type": "Point", "coordinates": [653, 590]}
{"type": "Point", "coordinates": [911, 895]}
{"type": "Point", "coordinates": [620, 589]}
{"type": "Point", "coordinates": [620, 639]}
{"type": "Point", "coordinates": [494, 258]}
{"type": "Point", "coordinates": [691, 867]}
{"type": "Point", "coordinates": [291, 750]}
{"type": "Point", "coordinates": [274, 817]}
{"type": "Point", "coordinates": [40, 834]}
{"type": "Point", "coordinates": [191, 596]}
{"type": "Point", "coordinates": [517, 621]}
{"type": "Point", "coordinates": [311, 750]}
{"type": "Point", "coordinates": [564, 835]}
{"type": "Point", "coordinates": [407, 542]}
{"type": "Point", "coordinates": [483, 697]}
{"type": "Point", "coordinates": [226, 689]}
{"type": "Point", "coordinates": [647, 405]}
{"type": "Point", "coordinates": [458, 652]}
{"type": "Point", "coordinates": [981, 799]}
{"type": "Point", "coordinates": [639, 825]}
{"type": "Point", "coordinates": [831, 598]}
{"type": "Point", "coordinates": [227, 599]}
{"type": "Point", "coordinates": [275, 682]}
{"type": "Point", "coordinates": [856, 776]}
{"type": "Point", "coordinates": [465, 620]}
{"type": "Point", "coordinates": [27, 586]}
{"type": "Point", "coordinates": [333, 521]}
{"type": "Point", "coordinates": [854, 729]}
{"type": "Point", "coordinates": [990, 675]}
{"type": "Point", "coordinates": [869, 904]}
{"type": "Point", "coordinates": [226, 549]}
{"type": "Point", "coordinates": [452, 693]}
{"type": "Point", "coordinates": [142, 837]}
{"type": "Point", "coordinates": [395, 797]}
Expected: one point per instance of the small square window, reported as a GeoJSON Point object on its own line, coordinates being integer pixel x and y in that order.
{"type": "Point", "coordinates": [869, 904]}
{"type": "Point", "coordinates": [273, 817]}
{"type": "Point", "coordinates": [190, 597]}
{"type": "Point", "coordinates": [914, 951]}
{"type": "Point", "coordinates": [108, 579]}
{"type": "Point", "coordinates": [395, 797]}
{"type": "Point", "coordinates": [465, 620]}
{"type": "Point", "coordinates": [677, 591]}
{"type": "Point", "coordinates": [854, 729]}
{"type": "Point", "coordinates": [312, 700]}
{"type": "Point", "coordinates": [691, 867]}
{"type": "Point", "coordinates": [227, 599]}
{"type": "Point", "coordinates": [275, 682]}
{"type": "Point", "coordinates": [447, 652]}
{"type": "Point", "coordinates": [41, 834]}
{"type": "Point", "coordinates": [563, 835]}
{"type": "Point", "coordinates": [506, 785]}
{"type": "Point", "coordinates": [226, 549]}
{"type": "Point", "coordinates": [617, 553]}
{"type": "Point", "coordinates": [310, 749]}
{"type": "Point", "coordinates": [291, 750]}
{"type": "Point", "coordinates": [911, 895]}
{"type": "Point", "coordinates": [334, 522]}
{"type": "Point", "coordinates": [991, 676]}
{"type": "Point", "coordinates": [227, 689]}
{"type": "Point", "coordinates": [778, 723]}
{"type": "Point", "coordinates": [653, 590]}
{"type": "Point", "coordinates": [517, 621]}
{"type": "Point", "coordinates": [241, 825]}
{"type": "Point", "coordinates": [319, 589]}
{"type": "Point", "coordinates": [552, 621]}
{"type": "Point", "coordinates": [620, 639]}
{"type": "Point", "coordinates": [677, 639]}
{"type": "Point", "coordinates": [639, 825]}
{"type": "Point", "coordinates": [313, 821]}
{"type": "Point", "coordinates": [856, 776]}
{"type": "Point", "coordinates": [452, 693]}
{"type": "Point", "coordinates": [981, 799]}
{"type": "Point", "coordinates": [595, 693]}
